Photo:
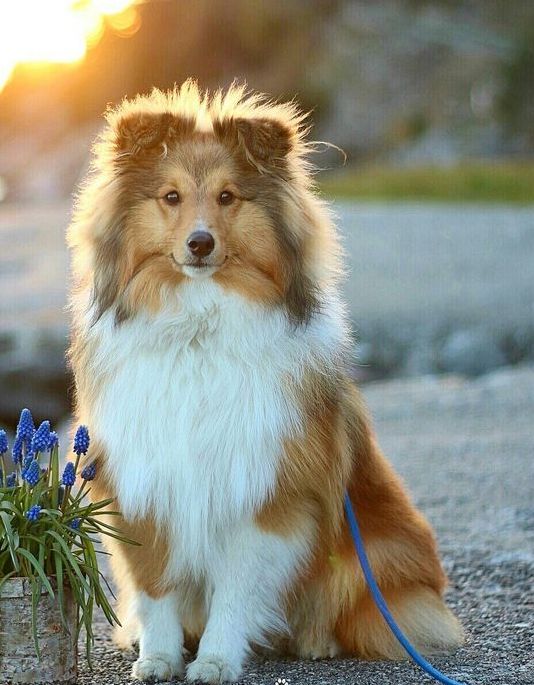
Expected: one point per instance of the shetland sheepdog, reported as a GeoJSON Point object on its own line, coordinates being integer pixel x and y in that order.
{"type": "Point", "coordinates": [210, 351]}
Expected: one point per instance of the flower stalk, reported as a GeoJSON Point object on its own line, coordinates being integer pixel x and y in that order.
{"type": "Point", "coordinates": [48, 529]}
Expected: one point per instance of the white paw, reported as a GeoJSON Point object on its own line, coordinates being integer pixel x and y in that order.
{"type": "Point", "coordinates": [212, 669]}
{"type": "Point", "coordinates": [125, 638]}
{"type": "Point", "coordinates": [327, 650]}
{"type": "Point", "coordinates": [157, 667]}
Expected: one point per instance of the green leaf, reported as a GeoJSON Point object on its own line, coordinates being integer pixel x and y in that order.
{"type": "Point", "coordinates": [5, 578]}
{"type": "Point", "coordinates": [72, 560]}
{"type": "Point", "coordinates": [38, 569]}
{"type": "Point", "coordinates": [58, 569]}
{"type": "Point", "coordinates": [12, 543]}
{"type": "Point", "coordinates": [54, 476]}
{"type": "Point", "coordinates": [6, 505]}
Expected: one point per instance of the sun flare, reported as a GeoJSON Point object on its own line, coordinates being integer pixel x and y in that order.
{"type": "Point", "coordinates": [57, 31]}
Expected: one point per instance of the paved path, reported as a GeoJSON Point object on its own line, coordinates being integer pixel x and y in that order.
{"type": "Point", "coordinates": [466, 450]}
{"type": "Point", "coordinates": [426, 262]}
{"type": "Point", "coordinates": [418, 261]}
{"type": "Point", "coordinates": [431, 287]}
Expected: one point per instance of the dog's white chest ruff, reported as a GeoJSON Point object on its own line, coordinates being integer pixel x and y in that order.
{"type": "Point", "coordinates": [195, 405]}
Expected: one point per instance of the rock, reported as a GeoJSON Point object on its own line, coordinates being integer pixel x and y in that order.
{"type": "Point", "coordinates": [470, 352]}
{"type": "Point", "coordinates": [377, 355]}
{"type": "Point", "coordinates": [33, 320]}
{"type": "Point", "coordinates": [57, 662]}
{"type": "Point", "coordinates": [33, 374]}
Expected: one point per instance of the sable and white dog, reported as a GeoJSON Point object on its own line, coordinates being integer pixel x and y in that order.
{"type": "Point", "coordinates": [209, 347]}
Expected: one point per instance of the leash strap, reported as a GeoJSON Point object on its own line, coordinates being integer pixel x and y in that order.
{"type": "Point", "coordinates": [381, 603]}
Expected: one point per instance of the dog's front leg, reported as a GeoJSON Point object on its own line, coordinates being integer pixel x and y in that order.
{"type": "Point", "coordinates": [160, 639]}
{"type": "Point", "coordinates": [254, 569]}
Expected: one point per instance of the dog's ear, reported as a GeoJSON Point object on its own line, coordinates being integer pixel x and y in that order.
{"type": "Point", "coordinates": [147, 133]}
{"type": "Point", "coordinates": [264, 142]}
{"type": "Point", "coordinates": [112, 268]}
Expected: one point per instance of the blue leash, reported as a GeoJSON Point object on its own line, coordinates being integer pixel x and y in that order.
{"type": "Point", "coordinates": [381, 602]}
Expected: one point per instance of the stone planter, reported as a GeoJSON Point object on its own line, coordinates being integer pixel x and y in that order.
{"type": "Point", "coordinates": [18, 660]}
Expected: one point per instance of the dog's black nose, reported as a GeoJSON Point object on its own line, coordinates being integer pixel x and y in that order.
{"type": "Point", "coordinates": [200, 243]}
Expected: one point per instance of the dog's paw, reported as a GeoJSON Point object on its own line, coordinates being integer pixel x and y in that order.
{"type": "Point", "coordinates": [124, 638]}
{"type": "Point", "coordinates": [212, 669]}
{"type": "Point", "coordinates": [327, 650]}
{"type": "Point", "coordinates": [157, 667]}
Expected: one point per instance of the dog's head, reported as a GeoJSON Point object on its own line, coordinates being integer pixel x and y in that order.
{"type": "Point", "coordinates": [190, 187]}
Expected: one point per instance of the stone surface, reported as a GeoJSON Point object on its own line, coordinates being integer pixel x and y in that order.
{"type": "Point", "coordinates": [464, 448]}
{"type": "Point", "coordinates": [18, 660]}
{"type": "Point", "coordinates": [471, 352]}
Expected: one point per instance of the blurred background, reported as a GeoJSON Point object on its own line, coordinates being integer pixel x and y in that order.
{"type": "Point", "coordinates": [432, 102]}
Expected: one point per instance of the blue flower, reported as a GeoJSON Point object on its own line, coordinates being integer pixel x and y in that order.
{"type": "Point", "coordinates": [33, 513]}
{"type": "Point", "coordinates": [75, 524]}
{"type": "Point", "coordinates": [53, 440]}
{"type": "Point", "coordinates": [11, 480]}
{"type": "Point", "coordinates": [3, 442]}
{"type": "Point", "coordinates": [69, 474]}
{"type": "Point", "coordinates": [17, 450]}
{"type": "Point", "coordinates": [41, 438]}
{"type": "Point", "coordinates": [27, 461]}
{"type": "Point", "coordinates": [25, 426]}
{"type": "Point", "coordinates": [89, 472]}
{"type": "Point", "coordinates": [32, 474]}
{"type": "Point", "coordinates": [81, 440]}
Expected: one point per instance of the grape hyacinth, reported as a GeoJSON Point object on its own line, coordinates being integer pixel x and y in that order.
{"type": "Point", "coordinates": [32, 474]}
{"type": "Point", "coordinates": [47, 526]}
{"type": "Point", "coordinates": [25, 427]}
{"type": "Point", "coordinates": [53, 440]}
{"type": "Point", "coordinates": [3, 442]}
{"type": "Point", "coordinates": [89, 472]}
{"type": "Point", "coordinates": [17, 450]}
{"type": "Point", "coordinates": [69, 475]}
{"type": "Point", "coordinates": [27, 461]}
{"type": "Point", "coordinates": [81, 441]}
{"type": "Point", "coordinates": [3, 450]}
{"type": "Point", "coordinates": [41, 438]}
{"type": "Point", "coordinates": [33, 513]}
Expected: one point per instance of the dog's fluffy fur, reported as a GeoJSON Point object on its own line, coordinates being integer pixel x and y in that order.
{"type": "Point", "coordinates": [224, 421]}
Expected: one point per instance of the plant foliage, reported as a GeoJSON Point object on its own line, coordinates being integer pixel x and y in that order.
{"type": "Point", "coordinates": [48, 528]}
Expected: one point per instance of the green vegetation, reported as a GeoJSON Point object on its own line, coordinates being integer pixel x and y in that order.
{"type": "Point", "coordinates": [473, 182]}
{"type": "Point", "coordinates": [48, 530]}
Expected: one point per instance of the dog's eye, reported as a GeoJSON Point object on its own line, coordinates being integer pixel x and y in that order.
{"type": "Point", "coordinates": [226, 198]}
{"type": "Point", "coordinates": [172, 198]}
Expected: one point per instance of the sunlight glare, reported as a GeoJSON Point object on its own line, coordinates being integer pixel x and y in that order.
{"type": "Point", "coordinates": [56, 32]}
{"type": "Point", "coordinates": [111, 6]}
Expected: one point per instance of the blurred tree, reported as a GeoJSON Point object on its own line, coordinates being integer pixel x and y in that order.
{"type": "Point", "coordinates": [272, 45]}
{"type": "Point", "coordinates": [410, 80]}
{"type": "Point", "coordinates": [517, 98]}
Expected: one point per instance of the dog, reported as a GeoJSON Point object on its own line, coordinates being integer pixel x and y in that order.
{"type": "Point", "coordinates": [210, 351]}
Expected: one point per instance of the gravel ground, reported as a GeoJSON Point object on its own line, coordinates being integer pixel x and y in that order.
{"type": "Point", "coordinates": [465, 449]}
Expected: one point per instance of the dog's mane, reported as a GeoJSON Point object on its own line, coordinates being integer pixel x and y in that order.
{"type": "Point", "coordinates": [187, 109]}
{"type": "Point", "coordinates": [268, 137]}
